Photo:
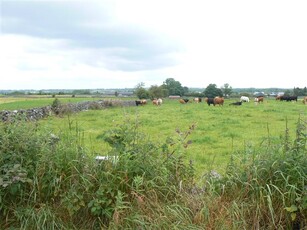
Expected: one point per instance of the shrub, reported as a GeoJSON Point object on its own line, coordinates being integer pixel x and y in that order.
{"type": "Point", "coordinates": [51, 180]}
{"type": "Point", "coordinates": [55, 106]}
{"type": "Point", "coordinates": [21, 147]}
{"type": "Point", "coordinates": [61, 109]}
{"type": "Point", "coordinates": [95, 106]}
{"type": "Point", "coordinates": [141, 166]}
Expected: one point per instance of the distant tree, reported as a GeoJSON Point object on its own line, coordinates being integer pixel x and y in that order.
{"type": "Point", "coordinates": [17, 93]}
{"type": "Point", "coordinates": [141, 92]}
{"type": "Point", "coordinates": [212, 91]}
{"type": "Point", "coordinates": [299, 92]}
{"type": "Point", "coordinates": [174, 87]}
{"type": "Point", "coordinates": [140, 85]}
{"type": "Point", "coordinates": [226, 89]}
{"type": "Point", "coordinates": [247, 94]}
{"type": "Point", "coordinates": [287, 93]}
{"type": "Point", "coordinates": [116, 94]}
{"type": "Point", "coordinates": [157, 92]}
{"type": "Point", "coordinates": [165, 90]}
{"type": "Point", "coordinates": [185, 90]}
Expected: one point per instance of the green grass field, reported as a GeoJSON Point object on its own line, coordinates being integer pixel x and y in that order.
{"type": "Point", "coordinates": [55, 183]}
{"type": "Point", "coordinates": [219, 131]}
{"type": "Point", "coordinates": [12, 103]}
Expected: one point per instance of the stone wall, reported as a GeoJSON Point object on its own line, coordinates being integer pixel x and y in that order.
{"type": "Point", "coordinates": [42, 112]}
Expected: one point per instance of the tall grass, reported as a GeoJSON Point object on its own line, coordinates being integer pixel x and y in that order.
{"type": "Point", "coordinates": [52, 181]}
{"type": "Point", "coordinates": [266, 188]}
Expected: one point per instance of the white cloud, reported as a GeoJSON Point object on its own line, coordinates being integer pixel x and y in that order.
{"type": "Point", "coordinates": [110, 44]}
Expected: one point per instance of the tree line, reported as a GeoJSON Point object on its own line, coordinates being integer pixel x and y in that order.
{"type": "Point", "coordinates": [172, 87]}
{"type": "Point", "coordinates": [169, 87]}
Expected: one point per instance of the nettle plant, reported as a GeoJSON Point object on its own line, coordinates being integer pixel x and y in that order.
{"type": "Point", "coordinates": [138, 165]}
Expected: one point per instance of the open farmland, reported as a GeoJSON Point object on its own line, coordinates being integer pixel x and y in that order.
{"type": "Point", "coordinates": [49, 176]}
{"type": "Point", "coordinates": [219, 131]}
{"type": "Point", "coordinates": [12, 103]}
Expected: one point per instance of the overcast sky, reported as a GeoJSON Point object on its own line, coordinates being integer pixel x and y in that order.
{"type": "Point", "coordinates": [53, 44]}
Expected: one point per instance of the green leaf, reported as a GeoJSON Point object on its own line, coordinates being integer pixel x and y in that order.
{"type": "Point", "coordinates": [292, 208]}
{"type": "Point", "coordinates": [293, 216]}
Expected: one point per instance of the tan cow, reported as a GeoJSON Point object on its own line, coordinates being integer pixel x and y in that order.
{"type": "Point", "coordinates": [218, 101]}
{"type": "Point", "coordinates": [157, 101]}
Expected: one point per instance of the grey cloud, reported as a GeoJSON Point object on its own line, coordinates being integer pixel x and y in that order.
{"type": "Point", "coordinates": [85, 25]}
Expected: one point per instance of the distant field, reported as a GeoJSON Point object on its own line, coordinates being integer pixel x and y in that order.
{"type": "Point", "coordinates": [11, 103]}
{"type": "Point", "coordinates": [220, 131]}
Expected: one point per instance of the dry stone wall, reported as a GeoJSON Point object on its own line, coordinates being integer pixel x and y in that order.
{"type": "Point", "coordinates": [42, 112]}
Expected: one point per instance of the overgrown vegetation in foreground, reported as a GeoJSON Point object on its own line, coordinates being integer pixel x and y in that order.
{"type": "Point", "coordinates": [49, 181]}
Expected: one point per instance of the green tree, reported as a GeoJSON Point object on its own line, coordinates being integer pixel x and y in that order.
{"type": "Point", "coordinates": [212, 91]}
{"type": "Point", "coordinates": [226, 89]}
{"type": "Point", "coordinates": [174, 87]}
{"type": "Point", "coordinates": [287, 93]}
{"type": "Point", "coordinates": [141, 92]}
{"type": "Point", "coordinates": [157, 92]}
{"type": "Point", "coordinates": [299, 92]}
{"type": "Point", "coordinates": [185, 90]}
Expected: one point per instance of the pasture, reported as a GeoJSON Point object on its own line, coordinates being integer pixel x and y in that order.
{"type": "Point", "coordinates": [220, 131]}
{"type": "Point", "coordinates": [12, 103]}
{"type": "Point", "coordinates": [50, 178]}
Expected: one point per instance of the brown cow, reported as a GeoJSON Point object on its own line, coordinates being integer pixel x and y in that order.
{"type": "Point", "coordinates": [258, 100]}
{"type": "Point", "coordinates": [184, 101]}
{"type": "Point", "coordinates": [305, 100]}
{"type": "Point", "coordinates": [218, 101]}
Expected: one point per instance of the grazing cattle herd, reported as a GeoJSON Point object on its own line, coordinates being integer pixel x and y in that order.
{"type": "Point", "coordinates": [220, 100]}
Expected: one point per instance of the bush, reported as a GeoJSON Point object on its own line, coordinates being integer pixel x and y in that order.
{"type": "Point", "coordinates": [55, 106]}
{"type": "Point", "coordinates": [140, 167]}
{"type": "Point", "coordinates": [61, 109]}
{"type": "Point", "coordinates": [51, 180]}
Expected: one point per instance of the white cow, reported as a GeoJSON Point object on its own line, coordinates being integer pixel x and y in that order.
{"type": "Point", "coordinates": [244, 99]}
{"type": "Point", "coordinates": [157, 101]}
